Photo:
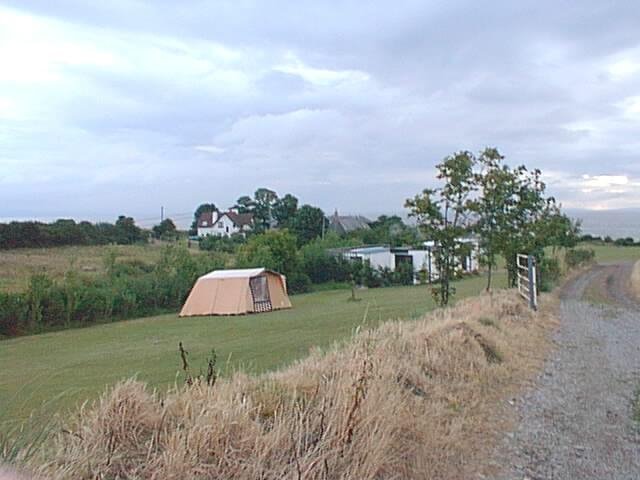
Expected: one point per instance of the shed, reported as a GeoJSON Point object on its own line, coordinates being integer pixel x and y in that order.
{"type": "Point", "coordinates": [236, 292]}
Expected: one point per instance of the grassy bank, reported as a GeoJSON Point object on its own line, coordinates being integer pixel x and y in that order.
{"type": "Point", "coordinates": [409, 400]}
{"type": "Point", "coordinates": [77, 364]}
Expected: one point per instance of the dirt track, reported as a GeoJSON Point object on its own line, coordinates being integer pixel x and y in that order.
{"type": "Point", "coordinates": [576, 422]}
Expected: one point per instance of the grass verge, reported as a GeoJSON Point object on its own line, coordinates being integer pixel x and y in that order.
{"type": "Point", "coordinates": [405, 400]}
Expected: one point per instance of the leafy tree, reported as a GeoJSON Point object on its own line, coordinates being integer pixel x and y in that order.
{"type": "Point", "coordinates": [441, 214]}
{"type": "Point", "coordinates": [284, 210]}
{"type": "Point", "coordinates": [202, 208]}
{"type": "Point", "coordinates": [307, 223]}
{"type": "Point", "coordinates": [497, 185]}
{"type": "Point", "coordinates": [275, 249]}
{"type": "Point", "coordinates": [126, 232]}
{"type": "Point", "coordinates": [245, 204]}
{"type": "Point", "coordinates": [165, 230]}
{"type": "Point", "coordinates": [264, 200]}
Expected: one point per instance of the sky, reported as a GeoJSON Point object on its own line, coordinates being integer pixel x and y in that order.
{"type": "Point", "coordinates": [121, 107]}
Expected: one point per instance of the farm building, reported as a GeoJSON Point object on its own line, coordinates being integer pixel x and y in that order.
{"type": "Point", "coordinates": [224, 224]}
{"type": "Point", "coordinates": [342, 224]}
{"type": "Point", "coordinates": [236, 292]}
{"type": "Point", "coordinates": [421, 259]}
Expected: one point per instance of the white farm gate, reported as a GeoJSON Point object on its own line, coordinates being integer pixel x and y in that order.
{"type": "Point", "coordinates": [527, 281]}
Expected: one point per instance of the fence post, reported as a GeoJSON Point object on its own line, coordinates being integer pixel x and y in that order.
{"type": "Point", "coordinates": [533, 287]}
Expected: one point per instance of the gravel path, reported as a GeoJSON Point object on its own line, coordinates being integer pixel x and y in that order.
{"type": "Point", "coordinates": [576, 422]}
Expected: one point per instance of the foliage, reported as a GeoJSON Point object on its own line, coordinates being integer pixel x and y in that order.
{"type": "Point", "coordinates": [577, 257]}
{"type": "Point", "coordinates": [127, 290]}
{"type": "Point", "coordinates": [202, 208]}
{"type": "Point", "coordinates": [307, 224]}
{"type": "Point", "coordinates": [67, 232]}
{"type": "Point", "coordinates": [165, 230]}
{"type": "Point", "coordinates": [284, 210]}
{"type": "Point", "coordinates": [549, 273]}
{"type": "Point", "coordinates": [320, 266]}
{"type": "Point", "coordinates": [387, 230]}
{"type": "Point", "coordinates": [264, 201]}
{"type": "Point", "coordinates": [222, 243]}
{"type": "Point", "coordinates": [275, 249]}
{"type": "Point", "coordinates": [442, 216]}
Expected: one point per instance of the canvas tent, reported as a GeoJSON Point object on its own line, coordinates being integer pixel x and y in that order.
{"type": "Point", "coordinates": [236, 292]}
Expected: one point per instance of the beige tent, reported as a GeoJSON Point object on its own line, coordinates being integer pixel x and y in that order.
{"type": "Point", "coordinates": [235, 292]}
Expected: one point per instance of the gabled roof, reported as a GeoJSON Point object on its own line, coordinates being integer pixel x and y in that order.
{"type": "Point", "coordinates": [205, 219]}
{"type": "Point", "coordinates": [348, 223]}
{"type": "Point", "coordinates": [240, 219]}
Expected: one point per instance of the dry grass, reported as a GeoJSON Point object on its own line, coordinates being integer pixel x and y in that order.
{"type": "Point", "coordinates": [16, 266]}
{"type": "Point", "coordinates": [410, 400]}
{"type": "Point", "coordinates": [635, 280]}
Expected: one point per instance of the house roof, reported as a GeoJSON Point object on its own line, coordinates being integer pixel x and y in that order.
{"type": "Point", "coordinates": [240, 219]}
{"type": "Point", "coordinates": [205, 219]}
{"type": "Point", "coordinates": [348, 223]}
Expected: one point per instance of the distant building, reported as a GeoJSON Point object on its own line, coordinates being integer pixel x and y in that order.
{"type": "Point", "coordinates": [342, 224]}
{"type": "Point", "coordinates": [421, 259]}
{"type": "Point", "coordinates": [224, 224]}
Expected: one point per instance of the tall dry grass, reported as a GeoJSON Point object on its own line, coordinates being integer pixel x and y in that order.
{"type": "Point", "coordinates": [412, 400]}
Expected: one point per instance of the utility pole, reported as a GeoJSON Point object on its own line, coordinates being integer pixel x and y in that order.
{"type": "Point", "coordinates": [161, 214]}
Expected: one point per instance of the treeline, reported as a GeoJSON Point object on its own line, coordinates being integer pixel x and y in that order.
{"type": "Point", "coordinates": [620, 242]}
{"type": "Point", "coordinates": [126, 290]}
{"type": "Point", "coordinates": [64, 232]}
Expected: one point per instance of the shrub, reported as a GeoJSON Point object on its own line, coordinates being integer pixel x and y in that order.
{"type": "Point", "coordinates": [550, 273]}
{"type": "Point", "coordinates": [577, 257]}
{"type": "Point", "coordinates": [298, 282]}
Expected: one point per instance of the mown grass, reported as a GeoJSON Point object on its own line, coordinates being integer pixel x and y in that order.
{"type": "Point", "coordinates": [77, 364]}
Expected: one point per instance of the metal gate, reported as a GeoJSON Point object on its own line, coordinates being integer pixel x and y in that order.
{"type": "Point", "coordinates": [527, 281]}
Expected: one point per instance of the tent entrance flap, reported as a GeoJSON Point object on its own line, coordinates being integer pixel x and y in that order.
{"type": "Point", "coordinates": [260, 292]}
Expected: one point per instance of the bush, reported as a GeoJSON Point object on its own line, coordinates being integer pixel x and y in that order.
{"type": "Point", "coordinates": [222, 244]}
{"type": "Point", "coordinates": [298, 282]}
{"type": "Point", "coordinates": [320, 266]}
{"type": "Point", "coordinates": [577, 257]}
{"type": "Point", "coordinates": [549, 274]}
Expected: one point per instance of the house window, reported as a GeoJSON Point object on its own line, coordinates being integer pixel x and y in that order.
{"type": "Point", "coordinates": [227, 229]}
{"type": "Point", "coordinates": [220, 225]}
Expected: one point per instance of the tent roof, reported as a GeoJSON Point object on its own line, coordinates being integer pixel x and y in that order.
{"type": "Point", "coordinates": [239, 273]}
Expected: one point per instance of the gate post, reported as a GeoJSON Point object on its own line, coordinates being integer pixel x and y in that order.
{"type": "Point", "coordinates": [533, 287]}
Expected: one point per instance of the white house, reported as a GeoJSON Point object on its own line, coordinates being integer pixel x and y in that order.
{"type": "Point", "coordinates": [224, 224]}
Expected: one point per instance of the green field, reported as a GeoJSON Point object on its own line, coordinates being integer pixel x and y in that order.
{"type": "Point", "coordinates": [612, 253]}
{"type": "Point", "coordinates": [74, 365]}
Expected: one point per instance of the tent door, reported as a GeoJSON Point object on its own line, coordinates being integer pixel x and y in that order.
{"type": "Point", "coordinates": [260, 292]}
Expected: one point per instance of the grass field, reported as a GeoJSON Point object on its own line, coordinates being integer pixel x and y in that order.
{"type": "Point", "coordinates": [16, 266]}
{"type": "Point", "coordinates": [78, 364]}
{"type": "Point", "coordinates": [612, 253]}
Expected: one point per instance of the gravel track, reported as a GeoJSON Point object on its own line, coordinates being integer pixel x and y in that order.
{"type": "Point", "coordinates": [576, 421]}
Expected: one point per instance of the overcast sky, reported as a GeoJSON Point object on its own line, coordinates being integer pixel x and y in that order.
{"type": "Point", "coordinates": [121, 106]}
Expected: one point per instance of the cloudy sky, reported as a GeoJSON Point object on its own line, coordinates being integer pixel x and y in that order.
{"type": "Point", "coordinates": [123, 106]}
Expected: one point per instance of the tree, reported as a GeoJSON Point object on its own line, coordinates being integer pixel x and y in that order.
{"type": "Point", "coordinates": [275, 249]}
{"type": "Point", "coordinates": [245, 204]}
{"type": "Point", "coordinates": [264, 200]}
{"type": "Point", "coordinates": [442, 215]}
{"type": "Point", "coordinates": [307, 223]}
{"type": "Point", "coordinates": [165, 230]}
{"type": "Point", "coordinates": [284, 210]}
{"type": "Point", "coordinates": [126, 232]}
{"type": "Point", "coordinates": [496, 183]}
{"type": "Point", "coordinates": [202, 208]}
